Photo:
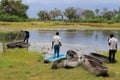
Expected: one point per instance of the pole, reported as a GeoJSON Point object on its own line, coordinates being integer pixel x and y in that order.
{"type": "Point", "coordinates": [16, 37]}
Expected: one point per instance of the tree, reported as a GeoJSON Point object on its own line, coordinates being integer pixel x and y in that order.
{"type": "Point", "coordinates": [14, 7]}
{"type": "Point", "coordinates": [55, 13]}
{"type": "Point", "coordinates": [44, 15]}
{"type": "Point", "coordinates": [71, 13]}
{"type": "Point", "coordinates": [109, 15]}
{"type": "Point", "coordinates": [118, 16]}
{"type": "Point", "coordinates": [97, 11]}
{"type": "Point", "coordinates": [79, 12]}
{"type": "Point", "coordinates": [88, 13]}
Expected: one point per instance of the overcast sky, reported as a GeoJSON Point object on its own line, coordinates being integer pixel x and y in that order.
{"type": "Point", "coordinates": [36, 5]}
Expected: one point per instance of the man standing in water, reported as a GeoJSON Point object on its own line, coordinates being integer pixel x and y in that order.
{"type": "Point", "coordinates": [112, 41]}
{"type": "Point", "coordinates": [27, 34]}
{"type": "Point", "coordinates": [56, 43]}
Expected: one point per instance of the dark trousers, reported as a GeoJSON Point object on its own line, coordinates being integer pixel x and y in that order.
{"type": "Point", "coordinates": [112, 56]}
{"type": "Point", "coordinates": [26, 39]}
{"type": "Point", "coordinates": [56, 50]}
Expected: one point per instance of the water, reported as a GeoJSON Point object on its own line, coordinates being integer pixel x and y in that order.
{"type": "Point", "coordinates": [82, 41]}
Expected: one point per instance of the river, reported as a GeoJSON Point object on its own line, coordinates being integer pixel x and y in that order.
{"type": "Point", "coordinates": [82, 41]}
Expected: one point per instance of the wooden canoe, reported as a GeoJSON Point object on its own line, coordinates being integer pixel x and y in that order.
{"type": "Point", "coordinates": [59, 63]}
{"type": "Point", "coordinates": [92, 58]}
{"type": "Point", "coordinates": [100, 57]}
{"type": "Point", "coordinates": [18, 44]}
{"type": "Point", "coordinates": [72, 55]}
{"type": "Point", "coordinates": [65, 63]}
{"type": "Point", "coordinates": [95, 67]}
{"type": "Point", "coordinates": [72, 60]}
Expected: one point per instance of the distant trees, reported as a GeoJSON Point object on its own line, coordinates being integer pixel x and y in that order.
{"type": "Point", "coordinates": [56, 13]}
{"type": "Point", "coordinates": [14, 10]}
{"type": "Point", "coordinates": [71, 13]}
{"type": "Point", "coordinates": [81, 15]}
{"type": "Point", "coordinates": [44, 15]}
{"type": "Point", "coordinates": [97, 11]}
{"type": "Point", "coordinates": [109, 15]}
{"type": "Point", "coordinates": [88, 13]}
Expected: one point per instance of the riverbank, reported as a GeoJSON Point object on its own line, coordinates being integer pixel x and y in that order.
{"type": "Point", "coordinates": [20, 64]}
{"type": "Point", "coordinates": [10, 26]}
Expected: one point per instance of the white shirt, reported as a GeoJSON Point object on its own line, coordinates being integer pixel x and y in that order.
{"type": "Point", "coordinates": [113, 42]}
{"type": "Point", "coordinates": [56, 39]}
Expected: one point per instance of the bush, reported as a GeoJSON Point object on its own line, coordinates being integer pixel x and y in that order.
{"type": "Point", "coordinates": [110, 22]}
{"type": "Point", "coordinates": [11, 18]}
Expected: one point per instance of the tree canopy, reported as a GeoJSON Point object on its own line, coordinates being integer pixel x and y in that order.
{"type": "Point", "coordinates": [13, 8]}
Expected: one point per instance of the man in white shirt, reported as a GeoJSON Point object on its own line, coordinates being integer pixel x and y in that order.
{"type": "Point", "coordinates": [56, 43]}
{"type": "Point", "coordinates": [112, 41]}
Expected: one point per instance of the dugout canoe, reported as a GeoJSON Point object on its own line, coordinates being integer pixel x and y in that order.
{"type": "Point", "coordinates": [18, 44]}
{"type": "Point", "coordinates": [72, 60]}
{"type": "Point", "coordinates": [92, 58]}
{"type": "Point", "coordinates": [95, 67]}
{"type": "Point", "coordinates": [100, 57]}
{"type": "Point", "coordinates": [59, 63]}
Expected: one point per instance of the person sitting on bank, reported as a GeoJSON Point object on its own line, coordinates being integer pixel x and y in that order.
{"type": "Point", "coordinates": [56, 43]}
{"type": "Point", "coordinates": [27, 35]}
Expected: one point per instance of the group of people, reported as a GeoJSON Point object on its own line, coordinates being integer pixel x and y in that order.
{"type": "Point", "coordinates": [56, 43]}
{"type": "Point", "coordinates": [112, 41]}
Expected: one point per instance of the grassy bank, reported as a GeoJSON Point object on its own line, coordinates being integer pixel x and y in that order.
{"type": "Point", "coordinates": [58, 25]}
{"type": "Point", "coordinates": [19, 64]}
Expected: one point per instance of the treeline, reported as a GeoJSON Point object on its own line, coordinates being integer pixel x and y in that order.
{"type": "Point", "coordinates": [15, 11]}
{"type": "Point", "coordinates": [81, 15]}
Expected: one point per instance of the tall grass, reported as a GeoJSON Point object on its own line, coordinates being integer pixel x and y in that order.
{"type": "Point", "coordinates": [18, 64]}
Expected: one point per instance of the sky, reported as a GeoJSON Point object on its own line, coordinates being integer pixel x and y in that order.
{"type": "Point", "coordinates": [36, 5]}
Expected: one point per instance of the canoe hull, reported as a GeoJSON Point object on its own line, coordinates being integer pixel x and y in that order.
{"type": "Point", "coordinates": [100, 57]}
{"type": "Point", "coordinates": [95, 67]}
{"type": "Point", "coordinates": [17, 45]}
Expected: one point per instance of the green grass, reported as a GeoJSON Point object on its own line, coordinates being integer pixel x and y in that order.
{"type": "Point", "coordinates": [58, 25]}
{"type": "Point", "coordinates": [20, 64]}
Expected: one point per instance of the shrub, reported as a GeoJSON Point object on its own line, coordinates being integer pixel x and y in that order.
{"type": "Point", "coordinates": [11, 18]}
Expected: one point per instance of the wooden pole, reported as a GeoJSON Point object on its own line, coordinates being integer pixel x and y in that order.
{"type": "Point", "coordinates": [16, 37]}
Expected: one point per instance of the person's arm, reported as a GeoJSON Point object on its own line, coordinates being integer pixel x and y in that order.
{"type": "Point", "coordinates": [109, 41]}
{"type": "Point", "coordinates": [60, 44]}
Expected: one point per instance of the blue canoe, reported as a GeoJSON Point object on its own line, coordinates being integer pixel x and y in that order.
{"type": "Point", "coordinates": [49, 59]}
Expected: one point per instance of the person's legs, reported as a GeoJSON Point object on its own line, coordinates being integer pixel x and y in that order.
{"type": "Point", "coordinates": [58, 50]}
{"type": "Point", "coordinates": [110, 52]}
{"type": "Point", "coordinates": [27, 40]}
{"type": "Point", "coordinates": [113, 57]}
{"type": "Point", "coordinates": [24, 39]}
{"type": "Point", "coordinates": [55, 50]}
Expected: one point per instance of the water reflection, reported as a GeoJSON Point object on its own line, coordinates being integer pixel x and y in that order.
{"type": "Point", "coordinates": [83, 41]}
{"type": "Point", "coordinates": [10, 36]}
